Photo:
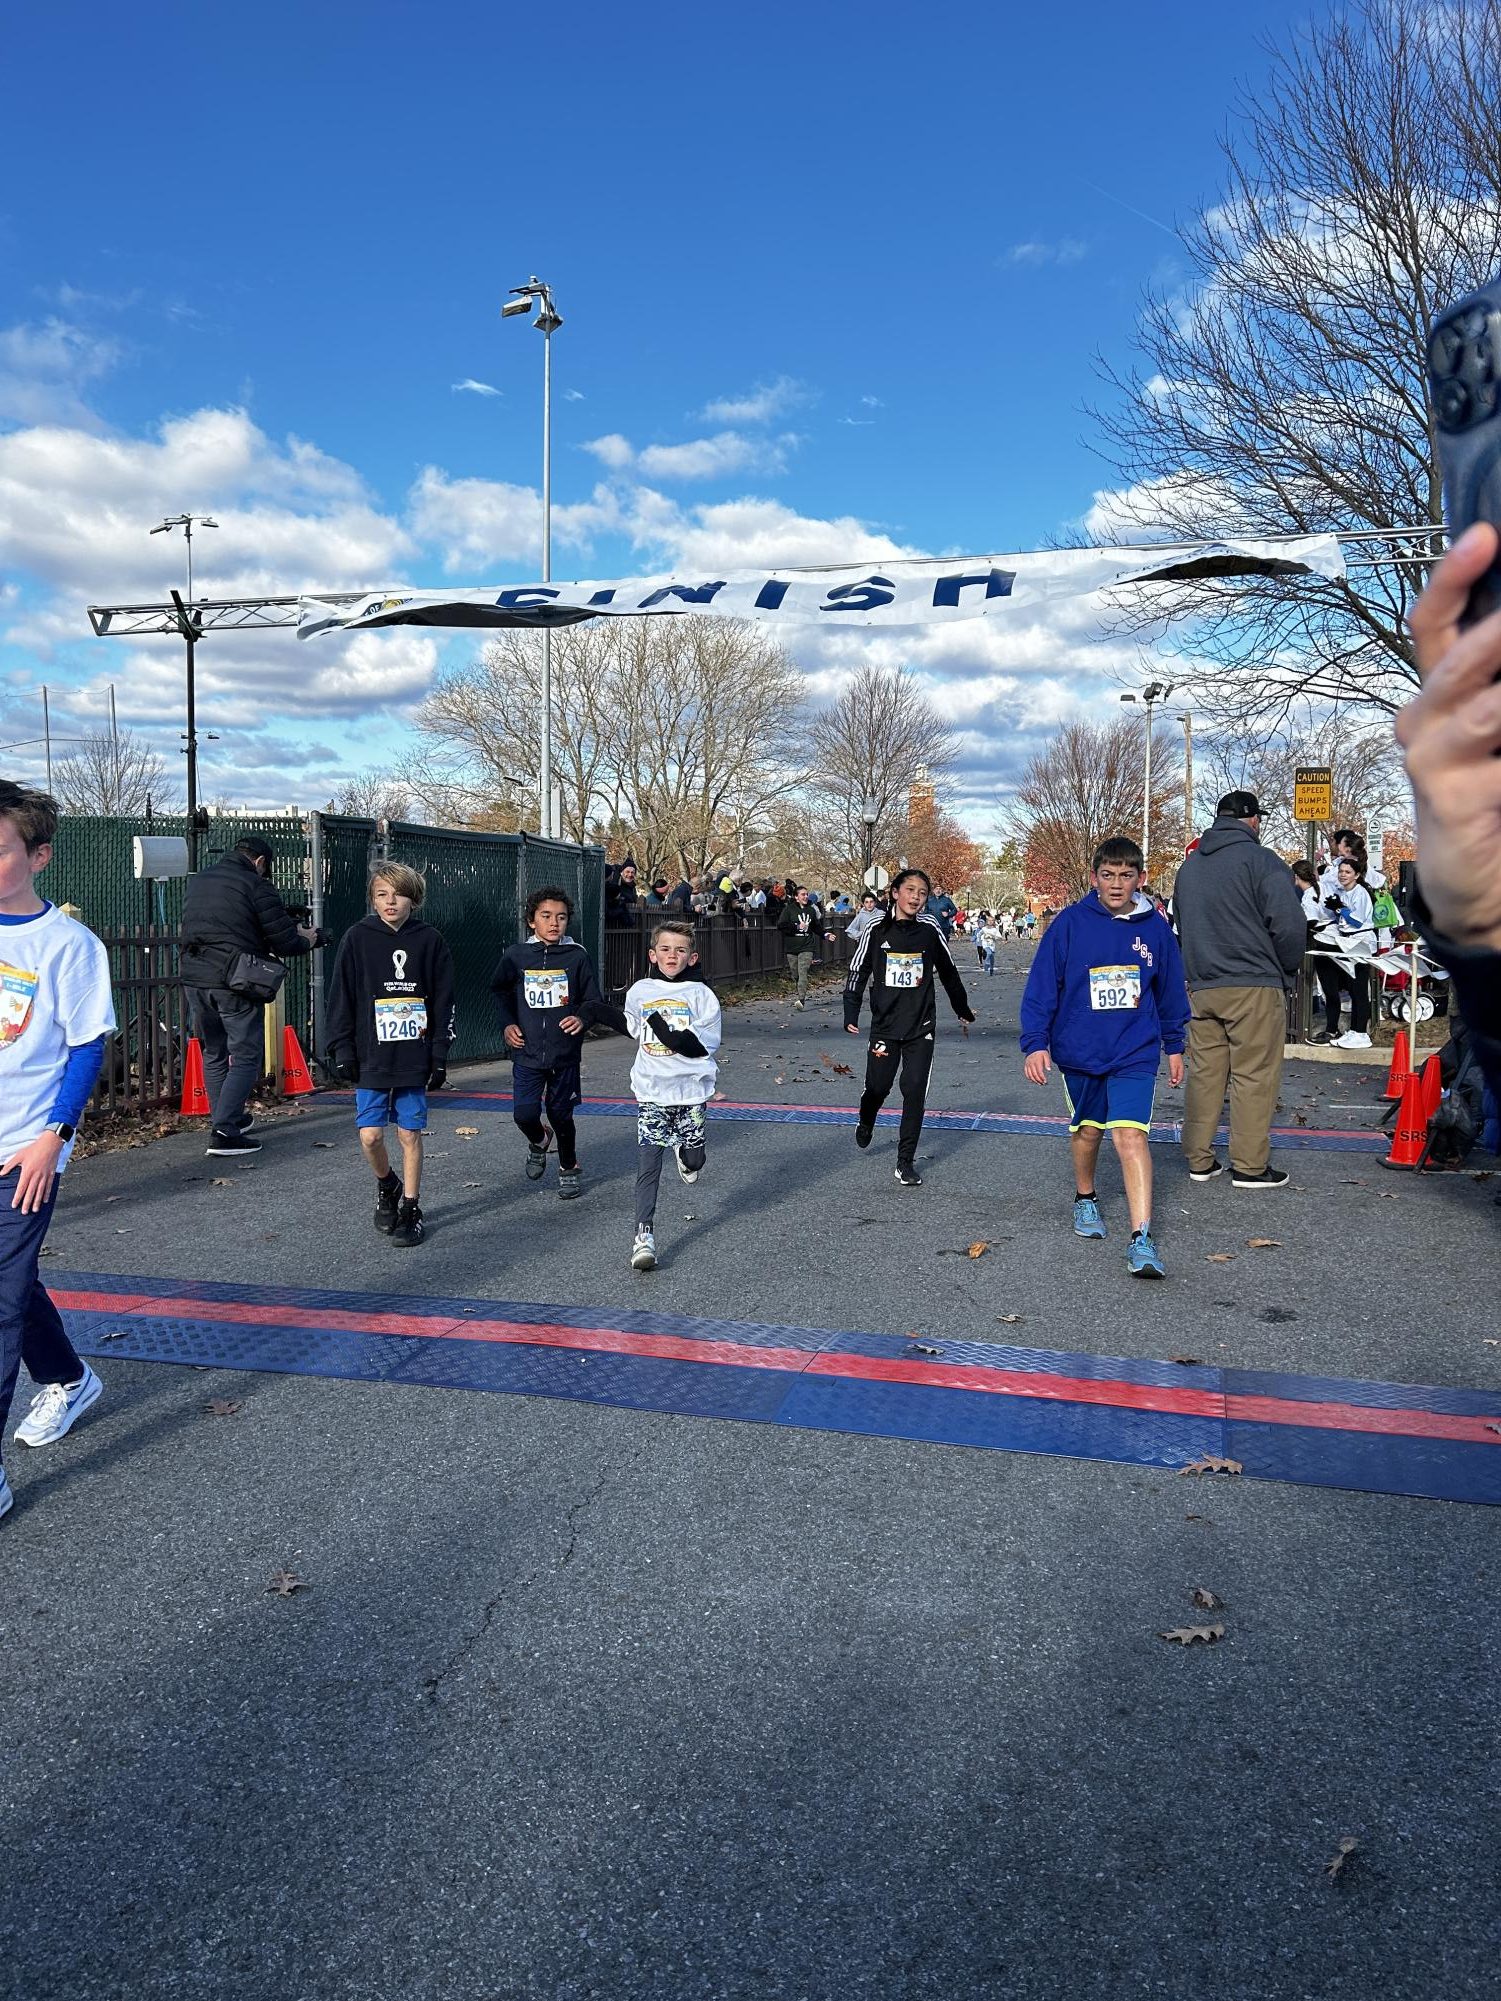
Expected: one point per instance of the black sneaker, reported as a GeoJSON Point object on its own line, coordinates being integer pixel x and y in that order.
{"type": "Point", "coordinates": [1206, 1173]}
{"type": "Point", "coordinates": [409, 1228]}
{"type": "Point", "coordinates": [536, 1156]}
{"type": "Point", "coordinates": [864, 1135]}
{"type": "Point", "coordinates": [1269, 1177]}
{"type": "Point", "coordinates": [909, 1177]}
{"type": "Point", "coordinates": [387, 1203]}
{"type": "Point", "coordinates": [570, 1183]}
{"type": "Point", "coordinates": [230, 1145]}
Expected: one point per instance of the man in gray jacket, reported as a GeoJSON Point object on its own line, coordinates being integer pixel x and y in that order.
{"type": "Point", "coordinates": [1243, 932]}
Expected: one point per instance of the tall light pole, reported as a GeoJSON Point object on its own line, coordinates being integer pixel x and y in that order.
{"type": "Point", "coordinates": [188, 625]}
{"type": "Point", "coordinates": [523, 298]}
{"type": "Point", "coordinates": [870, 812]}
{"type": "Point", "coordinates": [1151, 694]}
{"type": "Point", "coordinates": [1185, 716]}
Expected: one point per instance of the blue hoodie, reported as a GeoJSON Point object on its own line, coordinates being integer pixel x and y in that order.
{"type": "Point", "coordinates": [1105, 994]}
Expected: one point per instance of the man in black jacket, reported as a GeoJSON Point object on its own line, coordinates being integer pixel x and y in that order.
{"type": "Point", "coordinates": [900, 957]}
{"type": "Point", "coordinates": [548, 994]}
{"type": "Point", "coordinates": [226, 910]}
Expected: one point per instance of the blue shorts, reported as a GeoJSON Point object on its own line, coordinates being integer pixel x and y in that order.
{"type": "Point", "coordinates": [406, 1109]}
{"type": "Point", "coordinates": [1109, 1101]}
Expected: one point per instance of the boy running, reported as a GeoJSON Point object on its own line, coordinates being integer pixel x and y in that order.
{"type": "Point", "coordinates": [899, 957]}
{"type": "Point", "coordinates": [676, 1020]}
{"type": "Point", "coordinates": [548, 994]}
{"type": "Point", "coordinates": [388, 1030]}
{"type": "Point", "coordinates": [55, 1018]}
{"type": "Point", "coordinates": [1105, 1000]}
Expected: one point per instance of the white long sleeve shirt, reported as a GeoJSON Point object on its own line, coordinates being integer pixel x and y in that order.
{"type": "Point", "coordinates": [658, 1077]}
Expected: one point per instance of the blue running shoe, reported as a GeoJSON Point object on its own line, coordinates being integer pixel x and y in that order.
{"type": "Point", "coordinates": [1088, 1222]}
{"type": "Point", "coordinates": [1142, 1260]}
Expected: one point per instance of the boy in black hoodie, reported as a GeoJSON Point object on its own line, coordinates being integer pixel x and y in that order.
{"type": "Point", "coordinates": [899, 957]}
{"type": "Point", "coordinates": [388, 1030]}
{"type": "Point", "coordinates": [548, 994]}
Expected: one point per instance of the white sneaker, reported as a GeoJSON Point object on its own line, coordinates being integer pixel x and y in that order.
{"type": "Point", "coordinates": [55, 1409]}
{"type": "Point", "coordinates": [1353, 1038]}
{"type": "Point", "coordinates": [686, 1173]}
{"type": "Point", "coordinates": [644, 1251]}
{"type": "Point", "coordinates": [7, 1498]}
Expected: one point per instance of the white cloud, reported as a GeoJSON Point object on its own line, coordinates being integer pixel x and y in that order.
{"type": "Point", "coordinates": [44, 368]}
{"type": "Point", "coordinates": [611, 450]}
{"type": "Point", "coordinates": [759, 405]}
{"type": "Point", "coordinates": [475, 388]}
{"type": "Point", "coordinates": [873, 402]}
{"type": "Point", "coordinates": [573, 396]}
{"type": "Point", "coordinates": [1066, 250]}
{"type": "Point", "coordinates": [719, 457]}
{"type": "Point", "coordinates": [478, 521]}
{"type": "Point", "coordinates": [859, 423]}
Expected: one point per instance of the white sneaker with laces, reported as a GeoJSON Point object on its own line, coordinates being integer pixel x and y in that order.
{"type": "Point", "coordinates": [1353, 1038]}
{"type": "Point", "coordinates": [644, 1251]}
{"type": "Point", "coordinates": [57, 1408]}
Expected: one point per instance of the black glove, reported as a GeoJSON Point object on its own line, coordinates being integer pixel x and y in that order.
{"type": "Point", "coordinates": [343, 1066]}
{"type": "Point", "coordinates": [437, 1077]}
{"type": "Point", "coordinates": [681, 1041]}
{"type": "Point", "coordinates": [1332, 903]}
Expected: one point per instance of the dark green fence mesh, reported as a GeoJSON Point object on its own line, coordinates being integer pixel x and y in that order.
{"type": "Point", "coordinates": [476, 887]}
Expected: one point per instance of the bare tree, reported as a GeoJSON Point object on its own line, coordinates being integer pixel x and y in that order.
{"type": "Point", "coordinates": [373, 795]}
{"type": "Point", "coordinates": [873, 742]}
{"type": "Point", "coordinates": [110, 773]}
{"type": "Point", "coordinates": [1086, 786]}
{"type": "Point", "coordinates": [1368, 780]}
{"type": "Point", "coordinates": [1285, 389]}
{"type": "Point", "coordinates": [670, 735]}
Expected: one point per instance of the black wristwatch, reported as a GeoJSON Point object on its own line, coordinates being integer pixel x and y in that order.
{"type": "Point", "coordinates": [61, 1127]}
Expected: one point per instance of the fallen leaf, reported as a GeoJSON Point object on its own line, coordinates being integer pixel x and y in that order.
{"type": "Point", "coordinates": [222, 1407]}
{"type": "Point", "coordinates": [1496, 1428]}
{"type": "Point", "coordinates": [466, 1132]}
{"type": "Point", "coordinates": [1188, 1361]}
{"type": "Point", "coordinates": [324, 1145]}
{"type": "Point", "coordinates": [122, 1233]}
{"type": "Point", "coordinates": [1480, 1174]}
{"type": "Point", "coordinates": [1206, 1600]}
{"type": "Point", "coordinates": [1210, 1464]}
{"type": "Point", "coordinates": [222, 1181]}
{"type": "Point", "coordinates": [1388, 1196]}
{"type": "Point", "coordinates": [285, 1582]}
{"type": "Point", "coordinates": [778, 1080]}
{"type": "Point", "coordinates": [114, 1334]}
{"type": "Point", "coordinates": [1334, 1868]}
{"type": "Point", "coordinates": [1220, 1258]}
{"type": "Point", "coordinates": [1263, 1243]}
{"type": "Point", "coordinates": [1185, 1636]}
{"type": "Point", "coordinates": [473, 1184]}
{"type": "Point", "coordinates": [978, 1250]}
{"type": "Point", "coordinates": [1010, 1319]}
{"type": "Point", "coordinates": [115, 1198]}
{"type": "Point", "coordinates": [917, 1347]}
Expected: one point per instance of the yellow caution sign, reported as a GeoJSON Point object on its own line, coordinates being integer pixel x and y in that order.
{"type": "Point", "coordinates": [1313, 792]}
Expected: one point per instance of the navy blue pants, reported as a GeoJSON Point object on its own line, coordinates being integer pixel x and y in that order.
{"type": "Point", "coordinates": [31, 1329]}
{"type": "Point", "coordinates": [559, 1089]}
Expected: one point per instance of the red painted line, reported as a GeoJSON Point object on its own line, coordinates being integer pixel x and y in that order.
{"type": "Point", "coordinates": [1111, 1392]}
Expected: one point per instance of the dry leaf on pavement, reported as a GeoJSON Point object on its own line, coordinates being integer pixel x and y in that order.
{"type": "Point", "coordinates": [1185, 1636]}
{"type": "Point", "coordinates": [223, 1407]}
{"type": "Point", "coordinates": [1206, 1600]}
{"type": "Point", "coordinates": [1334, 1868]}
{"type": "Point", "coordinates": [978, 1250]}
{"type": "Point", "coordinates": [1263, 1243]}
{"type": "Point", "coordinates": [222, 1181]}
{"type": "Point", "coordinates": [1010, 1319]}
{"type": "Point", "coordinates": [324, 1145]}
{"type": "Point", "coordinates": [466, 1132]}
{"type": "Point", "coordinates": [1220, 1258]}
{"type": "Point", "coordinates": [1210, 1464]}
{"type": "Point", "coordinates": [921, 1347]}
{"type": "Point", "coordinates": [285, 1582]}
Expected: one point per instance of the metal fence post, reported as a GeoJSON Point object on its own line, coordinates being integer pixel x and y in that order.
{"type": "Point", "coordinates": [316, 957]}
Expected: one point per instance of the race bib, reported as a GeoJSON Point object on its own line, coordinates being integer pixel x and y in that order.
{"type": "Point", "coordinates": [546, 987]}
{"type": "Point", "coordinates": [400, 1020]}
{"type": "Point", "coordinates": [1114, 987]}
{"type": "Point", "coordinates": [17, 992]}
{"type": "Point", "coordinates": [676, 1013]}
{"type": "Point", "coordinates": [904, 969]}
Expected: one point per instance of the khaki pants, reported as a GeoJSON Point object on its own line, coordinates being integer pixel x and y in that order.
{"type": "Point", "coordinates": [1235, 1041]}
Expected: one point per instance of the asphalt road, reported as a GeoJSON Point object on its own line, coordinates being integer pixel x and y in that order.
{"type": "Point", "coordinates": [584, 1702]}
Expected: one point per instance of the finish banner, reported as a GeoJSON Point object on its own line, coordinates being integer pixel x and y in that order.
{"type": "Point", "coordinates": [889, 594]}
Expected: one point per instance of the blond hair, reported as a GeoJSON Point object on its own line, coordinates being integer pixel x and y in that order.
{"type": "Point", "coordinates": [405, 881]}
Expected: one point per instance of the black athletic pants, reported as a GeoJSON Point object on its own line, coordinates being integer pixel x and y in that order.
{"type": "Point", "coordinates": [914, 1059]}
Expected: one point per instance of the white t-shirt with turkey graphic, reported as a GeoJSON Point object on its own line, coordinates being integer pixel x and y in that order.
{"type": "Point", "coordinates": [54, 995]}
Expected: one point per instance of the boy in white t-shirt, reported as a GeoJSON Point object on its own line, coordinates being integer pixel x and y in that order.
{"type": "Point", "coordinates": [56, 1015]}
{"type": "Point", "coordinates": [676, 1021]}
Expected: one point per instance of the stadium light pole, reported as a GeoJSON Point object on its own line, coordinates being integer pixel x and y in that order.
{"type": "Point", "coordinates": [188, 625]}
{"type": "Point", "coordinates": [1186, 717]}
{"type": "Point", "coordinates": [1151, 694]}
{"type": "Point", "coordinates": [523, 298]}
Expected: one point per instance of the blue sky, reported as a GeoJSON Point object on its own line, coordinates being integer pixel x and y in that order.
{"type": "Point", "coordinates": [833, 280]}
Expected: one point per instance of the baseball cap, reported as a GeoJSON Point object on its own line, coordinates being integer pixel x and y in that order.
{"type": "Point", "coordinates": [258, 847]}
{"type": "Point", "coordinates": [1240, 806]}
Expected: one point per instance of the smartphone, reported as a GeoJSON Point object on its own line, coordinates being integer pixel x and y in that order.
{"type": "Point", "coordinates": [1464, 380]}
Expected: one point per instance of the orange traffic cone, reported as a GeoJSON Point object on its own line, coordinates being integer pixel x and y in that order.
{"type": "Point", "coordinates": [1396, 1077]}
{"type": "Point", "coordinates": [1432, 1081]}
{"type": "Point", "coordinates": [296, 1082]}
{"type": "Point", "coordinates": [1411, 1135]}
{"type": "Point", "coordinates": [195, 1104]}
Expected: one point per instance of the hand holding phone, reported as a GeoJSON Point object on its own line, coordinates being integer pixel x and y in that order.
{"type": "Point", "coordinates": [1464, 379]}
